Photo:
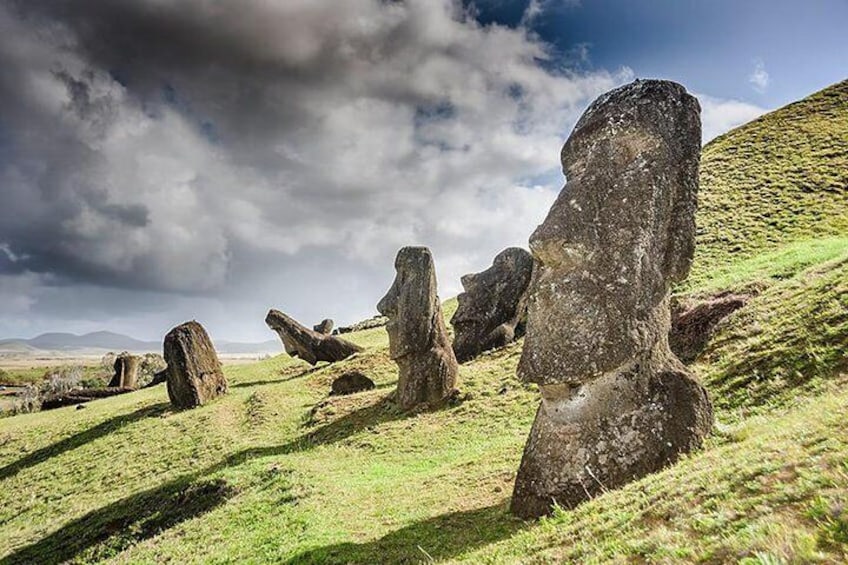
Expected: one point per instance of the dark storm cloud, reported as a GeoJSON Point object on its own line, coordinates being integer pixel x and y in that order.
{"type": "Point", "coordinates": [260, 153]}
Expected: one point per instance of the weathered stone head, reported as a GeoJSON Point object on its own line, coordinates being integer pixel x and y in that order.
{"type": "Point", "coordinates": [616, 403]}
{"type": "Point", "coordinates": [194, 373]}
{"type": "Point", "coordinates": [418, 340]}
{"type": "Point", "coordinates": [411, 303]}
{"type": "Point", "coordinates": [493, 308]}
{"type": "Point", "coordinates": [126, 371]}
{"type": "Point", "coordinates": [619, 234]}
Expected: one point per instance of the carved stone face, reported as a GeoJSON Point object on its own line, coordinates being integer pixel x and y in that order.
{"type": "Point", "coordinates": [620, 232]}
{"type": "Point", "coordinates": [411, 302]}
{"type": "Point", "coordinates": [493, 304]}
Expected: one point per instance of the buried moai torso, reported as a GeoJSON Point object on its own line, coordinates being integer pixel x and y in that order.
{"type": "Point", "coordinates": [418, 340]}
{"type": "Point", "coordinates": [194, 373]}
{"type": "Point", "coordinates": [616, 403]}
{"type": "Point", "coordinates": [492, 309]}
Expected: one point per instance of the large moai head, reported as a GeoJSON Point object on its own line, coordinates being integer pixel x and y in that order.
{"type": "Point", "coordinates": [616, 403]}
{"type": "Point", "coordinates": [411, 303]}
{"type": "Point", "coordinates": [619, 234]}
{"type": "Point", "coordinates": [493, 305]}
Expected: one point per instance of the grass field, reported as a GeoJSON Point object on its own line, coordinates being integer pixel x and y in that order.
{"type": "Point", "coordinates": [277, 471]}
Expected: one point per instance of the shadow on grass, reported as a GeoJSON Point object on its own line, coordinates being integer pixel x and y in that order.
{"type": "Point", "coordinates": [435, 539]}
{"type": "Point", "coordinates": [337, 430]}
{"type": "Point", "coordinates": [109, 530]}
{"type": "Point", "coordinates": [81, 438]}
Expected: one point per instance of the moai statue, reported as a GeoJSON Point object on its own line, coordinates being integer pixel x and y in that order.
{"type": "Point", "coordinates": [493, 308]}
{"type": "Point", "coordinates": [310, 345]}
{"type": "Point", "coordinates": [194, 373]}
{"type": "Point", "coordinates": [325, 327]}
{"type": "Point", "coordinates": [126, 371]}
{"type": "Point", "coordinates": [418, 339]}
{"type": "Point", "coordinates": [616, 403]}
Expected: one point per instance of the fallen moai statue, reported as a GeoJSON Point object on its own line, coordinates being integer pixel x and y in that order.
{"type": "Point", "coordinates": [194, 372]}
{"type": "Point", "coordinates": [418, 339]}
{"type": "Point", "coordinates": [493, 308]}
{"type": "Point", "coordinates": [81, 396]}
{"type": "Point", "coordinates": [309, 345]}
{"type": "Point", "coordinates": [616, 403]}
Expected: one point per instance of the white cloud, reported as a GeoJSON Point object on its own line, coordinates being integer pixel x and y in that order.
{"type": "Point", "coordinates": [720, 115]}
{"type": "Point", "coordinates": [272, 153]}
{"type": "Point", "coordinates": [759, 77]}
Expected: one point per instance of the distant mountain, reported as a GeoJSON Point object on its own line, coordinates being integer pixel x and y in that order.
{"type": "Point", "coordinates": [110, 341]}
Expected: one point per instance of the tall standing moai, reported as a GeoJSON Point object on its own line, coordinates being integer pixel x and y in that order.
{"type": "Point", "coordinates": [616, 403]}
{"type": "Point", "coordinates": [194, 373]}
{"type": "Point", "coordinates": [493, 309]}
{"type": "Point", "coordinates": [418, 339]}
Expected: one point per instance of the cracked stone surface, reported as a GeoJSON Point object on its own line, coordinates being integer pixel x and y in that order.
{"type": "Point", "coordinates": [616, 403]}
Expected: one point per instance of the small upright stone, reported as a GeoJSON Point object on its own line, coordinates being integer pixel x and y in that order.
{"type": "Point", "coordinates": [194, 373]}
{"type": "Point", "coordinates": [616, 403]}
{"type": "Point", "coordinates": [325, 327]}
{"type": "Point", "coordinates": [493, 308]}
{"type": "Point", "coordinates": [418, 339]}
{"type": "Point", "coordinates": [126, 371]}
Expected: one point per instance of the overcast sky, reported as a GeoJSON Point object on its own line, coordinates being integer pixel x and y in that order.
{"type": "Point", "coordinates": [162, 161]}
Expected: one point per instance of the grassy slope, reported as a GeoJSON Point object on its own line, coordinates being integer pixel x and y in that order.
{"type": "Point", "coordinates": [276, 471]}
{"type": "Point", "coordinates": [778, 180]}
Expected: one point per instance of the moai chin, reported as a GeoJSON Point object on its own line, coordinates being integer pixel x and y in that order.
{"type": "Point", "coordinates": [418, 339]}
{"type": "Point", "coordinates": [616, 403]}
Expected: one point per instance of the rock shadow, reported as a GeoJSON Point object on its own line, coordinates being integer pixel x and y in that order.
{"type": "Point", "coordinates": [372, 415]}
{"type": "Point", "coordinates": [81, 438]}
{"type": "Point", "coordinates": [110, 530]}
{"type": "Point", "coordinates": [430, 540]}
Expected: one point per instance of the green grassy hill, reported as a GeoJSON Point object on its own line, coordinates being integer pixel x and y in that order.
{"type": "Point", "coordinates": [278, 471]}
{"type": "Point", "coordinates": [778, 180]}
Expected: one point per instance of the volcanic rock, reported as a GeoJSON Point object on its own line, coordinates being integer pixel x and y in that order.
{"type": "Point", "coordinates": [493, 308]}
{"type": "Point", "coordinates": [418, 339]}
{"type": "Point", "coordinates": [309, 345]}
{"type": "Point", "coordinates": [194, 373]}
{"type": "Point", "coordinates": [616, 403]}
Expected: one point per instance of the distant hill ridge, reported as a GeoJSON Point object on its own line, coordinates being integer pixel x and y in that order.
{"type": "Point", "coordinates": [111, 341]}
